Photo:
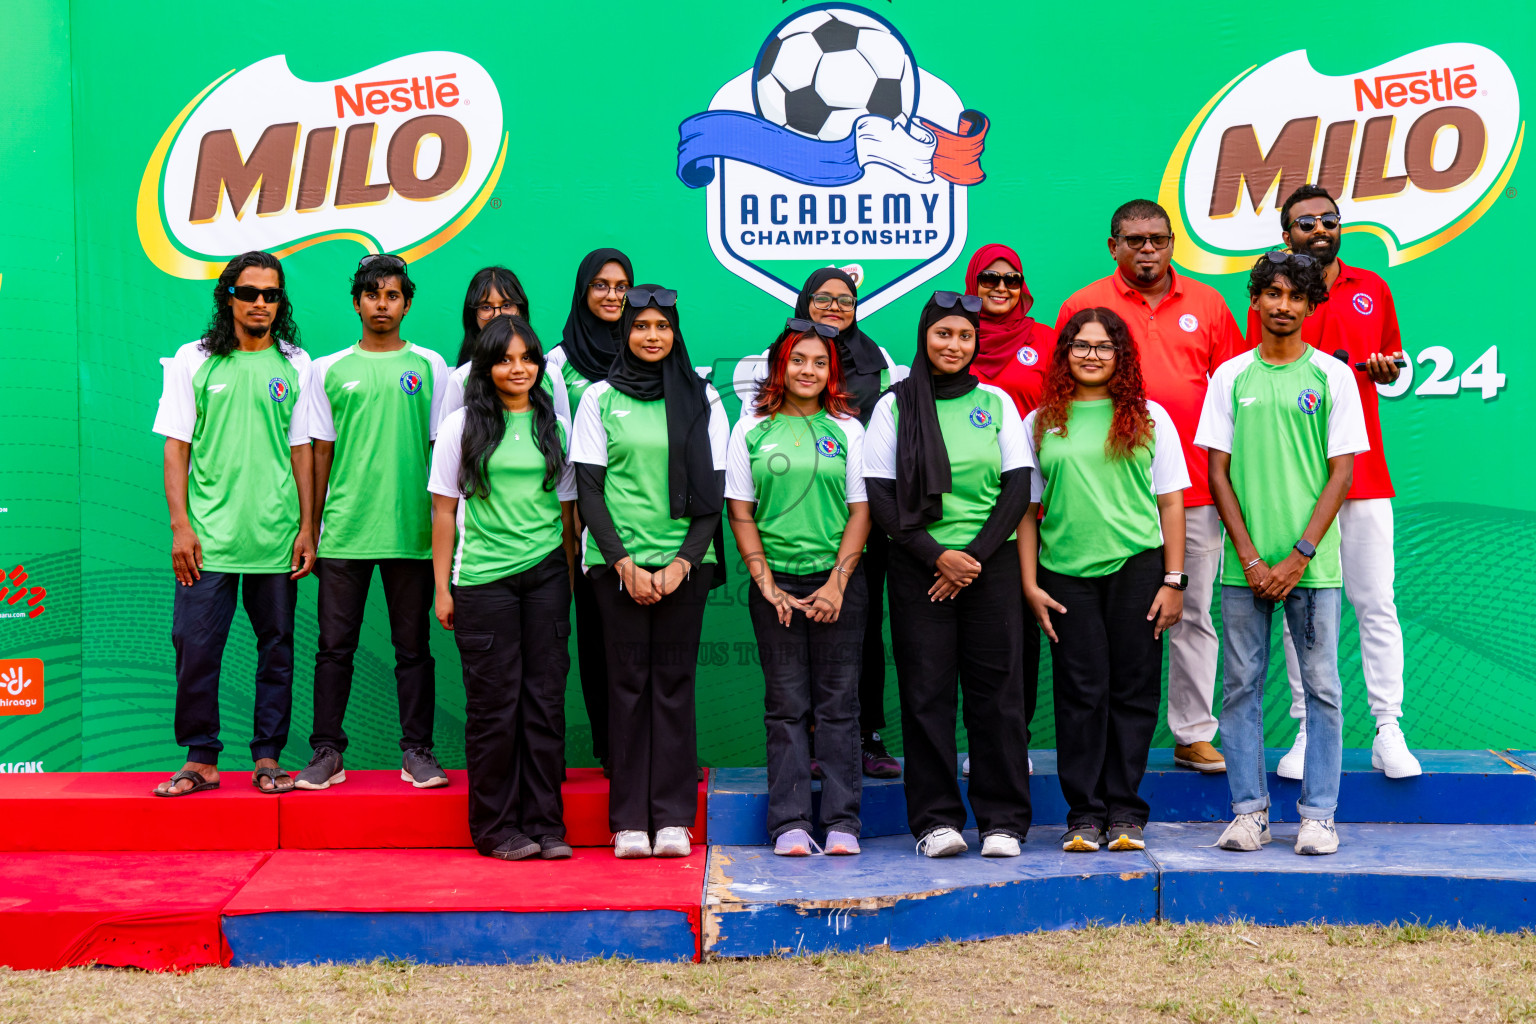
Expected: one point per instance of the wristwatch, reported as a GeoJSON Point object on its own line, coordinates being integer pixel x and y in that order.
{"type": "Point", "coordinates": [1306, 548]}
{"type": "Point", "coordinates": [1176, 580]}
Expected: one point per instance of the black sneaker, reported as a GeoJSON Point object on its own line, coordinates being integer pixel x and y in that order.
{"type": "Point", "coordinates": [877, 761]}
{"type": "Point", "coordinates": [420, 769]}
{"type": "Point", "coordinates": [325, 770]}
{"type": "Point", "coordinates": [1082, 839]}
{"type": "Point", "coordinates": [1123, 835]}
{"type": "Point", "coordinates": [516, 847]}
{"type": "Point", "coordinates": [553, 847]}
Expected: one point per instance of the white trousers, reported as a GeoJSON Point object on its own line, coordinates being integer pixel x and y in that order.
{"type": "Point", "coordinates": [1370, 567]}
{"type": "Point", "coordinates": [1194, 649]}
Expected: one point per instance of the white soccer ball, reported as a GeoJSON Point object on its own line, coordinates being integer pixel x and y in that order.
{"type": "Point", "coordinates": [822, 71]}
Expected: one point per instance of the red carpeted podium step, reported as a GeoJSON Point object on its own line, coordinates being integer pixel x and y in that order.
{"type": "Point", "coordinates": [117, 811]}
{"type": "Point", "coordinates": [156, 911]}
{"type": "Point", "coordinates": [376, 810]}
{"type": "Point", "coordinates": [455, 906]}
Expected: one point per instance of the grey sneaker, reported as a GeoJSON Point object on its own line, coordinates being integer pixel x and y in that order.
{"type": "Point", "coordinates": [1247, 832]}
{"type": "Point", "coordinates": [1317, 836]}
{"type": "Point", "coordinates": [420, 769]}
{"type": "Point", "coordinates": [1125, 836]}
{"type": "Point", "coordinates": [553, 847]}
{"type": "Point", "coordinates": [516, 847]}
{"type": "Point", "coordinates": [841, 844]}
{"type": "Point", "coordinates": [325, 770]}
{"type": "Point", "coordinates": [1084, 838]}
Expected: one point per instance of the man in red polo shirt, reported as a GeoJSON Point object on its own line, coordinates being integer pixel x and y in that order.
{"type": "Point", "coordinates": [1183, 332]}
{"type": "Point", "coordinates": [1359, 319]}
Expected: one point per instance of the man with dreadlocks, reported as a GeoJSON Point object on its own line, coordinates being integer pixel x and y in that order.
{"type": "Point", "coordinates": [239, 484]}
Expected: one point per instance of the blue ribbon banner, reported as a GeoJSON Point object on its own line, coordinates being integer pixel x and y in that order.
{"type": "Point", "coordinates": [736, 135]}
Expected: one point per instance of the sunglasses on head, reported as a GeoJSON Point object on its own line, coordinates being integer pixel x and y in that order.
{"type": "Point", "coordinates": [947, 300]}
{"type": "Point", "coordinates": [794, 323]}
{"type": "Point", "coordinates": [248, 293]}
{"type": "Point", "coordinates": [1280, 257]}
{"type": "Point", "coordinates": [389, 259]}
{"type": "Point", "coordinates": [991, 279]}
{"type": "Point", "coordinates": [638, 297]}
{"type": "Point", "coordinates": [1308, 222]}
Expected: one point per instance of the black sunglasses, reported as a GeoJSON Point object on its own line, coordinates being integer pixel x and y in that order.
{"type": "Point", "coordinates": [947, 300]}
{"type": "Point", "coordinates": [794, 323]}
{"type": "Point", "coordinates": [1307, 222]}
{"type": "Point", "coordinates": [991, 279]}
{"type": "Point", "coordinates": [638, 297]}
{"type": "Point", "coordinates": [1281, 257]}
{"type": "Point", "coordinates": [389, 258]}
{"type": "Point", "coordinates": [249, 293]}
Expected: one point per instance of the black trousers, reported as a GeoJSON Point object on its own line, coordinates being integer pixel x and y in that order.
{"type": "Point", "coordinates": [1108, 681]}
{"type": "Point", "coordinates": [200, 619]}
{"type": "Point", "coordinates": [976, 638]}
{"type": "Point", "coordinates": [811, 665]}
{"type": "Point", "coordinates": [592, 663]}
{"type": "Point", "coordinates": [653, 654]}
{"type": "Point", "coordinates": [408, 590]}
{"type": "Point", "coordinates": [513, 637]}
{"type": "Point", "coordinates": [877, 555]}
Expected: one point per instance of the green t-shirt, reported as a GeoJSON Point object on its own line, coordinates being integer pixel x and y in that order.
{"type": "Point", "coordinates": [241, 415]}
{"type": "Point", "coordinates": [629, 438]}
{"type": "Point", "coordinates": [1099, 511]}
{"type": "Point", "coordinates": [380, 409]}
{"type": "Point", "coordinates": [516, 525]}
{"type": "Point", "coordinates": [803, 473]}
{"type": "Point", "coordinates": [1281, 425]}
{"type": "Point", "coordinates": [985, 439]}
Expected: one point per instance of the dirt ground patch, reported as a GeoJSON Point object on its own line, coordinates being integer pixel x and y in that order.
{"type": "Point", "coordinates": [1199, 974]}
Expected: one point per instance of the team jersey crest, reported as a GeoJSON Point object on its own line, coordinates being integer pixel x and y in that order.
{"type": "Point", "coordinates": [980, 417]}
{"type": "Point", "coordinates": [1362, 302]}
{"type": "Point", "coordinates": [410, 382]}
{"type": "Point", "coordinates": [278, 389]}
{"type": "Point", "coordinates": [1308, 401]}
{"type": "Point", "coordinates": [829, 446]}
{"type": "Point", "coordinates": [1028, 356]}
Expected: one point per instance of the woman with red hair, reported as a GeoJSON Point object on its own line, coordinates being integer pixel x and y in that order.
{"type": "Point", "coordinates": [1013, 349]}
{"type": "Point", "coordinates": [794, 487]}
{"type": "Point", "coordinates": [1108, 554]}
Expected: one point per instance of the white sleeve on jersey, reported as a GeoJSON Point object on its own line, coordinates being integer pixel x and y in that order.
{"type": "Point", "coordinates": [1169, 472]}
{"type": "Point", "coordinates": [738, 463]}
{"type": "Point", "coordinates": [177, 415]}
{"type": "Point", "coordinates": [853, 484]}
{"type": "Point", "coordinates": [1037, 478]}
{"type": "Point", "coordinates": [589, 439]}
{"type": "Point", "coordinates": [298, 424]}
{"type": "Point", "coordinates": [1346, 417]}
{"type": "Point", "coordinates": [444, 476]}
{"type": "Point", "coordinates": [1010, 434]}
{"type": "Point", "coordinates": [880, 441]}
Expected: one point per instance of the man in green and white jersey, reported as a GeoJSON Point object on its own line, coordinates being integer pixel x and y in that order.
{"type": "Point", "coordinates": [373, 414]}
{"type": "Point", "coordinates": [1282, 423]}
{"type": "Point", "coordinates": [239, 485]}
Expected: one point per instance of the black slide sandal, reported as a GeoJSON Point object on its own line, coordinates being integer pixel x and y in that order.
{"type": "Point", "coordinates": [274, 774]}
{"type": "Point", "coordinates": [201, 784]}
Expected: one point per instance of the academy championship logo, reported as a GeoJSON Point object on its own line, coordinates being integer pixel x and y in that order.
{"type": "Point", "coordinates": [410, 382]}
{"type": "Point", "coordinates": [278, 389]}
{"type": "Point", "coordinates": [828, 446]}
{"type": "Point", "coordinates": [1308, 401]}
{"type": "Point", "coordinates": [980, 417]}
{"type": "Point", "coordinates": [1416, 150]}
{"type": "Point", "coordinates": [834, 147]}
{"type": "Point", "coordinates": [397, 158]}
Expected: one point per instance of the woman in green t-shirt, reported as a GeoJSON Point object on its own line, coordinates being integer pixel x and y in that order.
{"type": "Point", "coordinates": [947, 472]}
{"type": "Point", "coordinates": [503, 551]}
{"type": "Point", "coordinates": [1109, 552]}
{"type": "Point", "coordinates": [649, 453]}
{"type": "Point", "coordinates": [795, 489]}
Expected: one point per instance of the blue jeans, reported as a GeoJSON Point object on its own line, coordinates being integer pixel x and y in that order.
{"type": "Point", "coordinates": [1313, 615]}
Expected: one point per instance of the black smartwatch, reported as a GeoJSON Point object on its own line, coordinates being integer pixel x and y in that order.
{"type": "Point", "coordinates": [1176, 580]}
{"type": "Point", "coordinates": [1306, 548]}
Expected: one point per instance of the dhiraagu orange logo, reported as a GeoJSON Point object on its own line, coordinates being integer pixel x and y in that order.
{"type": "Point", "coordinates": [1415, 150]}
{"type": "Point", "coordinates": [397, 158]}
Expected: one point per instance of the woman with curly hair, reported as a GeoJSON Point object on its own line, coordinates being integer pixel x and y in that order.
{"type": "Point", "coordinates": [1108, 557]}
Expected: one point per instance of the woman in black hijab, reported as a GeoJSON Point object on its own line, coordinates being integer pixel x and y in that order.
{"type": "Point", "coordinates": [587, 348]}
{"type": "Point", "coordinates": [649, 450]}
{"type": "Point", "coordinates": [947, 467]}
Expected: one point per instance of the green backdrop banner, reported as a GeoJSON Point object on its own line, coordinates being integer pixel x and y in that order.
{"type": "Point", "coordinates": [727, 155]}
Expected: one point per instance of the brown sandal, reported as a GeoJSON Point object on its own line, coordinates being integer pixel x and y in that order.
{"type": "Point", "coordinates": [274, 774]}
{"type": "Point", "coordinates": [200, 784]}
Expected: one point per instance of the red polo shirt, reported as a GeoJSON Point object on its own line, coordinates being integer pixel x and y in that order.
{"type": "Point", "coordinates": [1360, 317]}
{"type": "Point", "coordinates": [1024, 376]}
{"type": "Point", "coordinates": [1181, 341]}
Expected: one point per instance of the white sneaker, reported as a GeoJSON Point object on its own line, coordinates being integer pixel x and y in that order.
{"type": "Point", "coordinates": [941, 842]}
{"type": "Point", "coordinates": [1295, 759]}
{"type": "Point", "coordinates": [965, 769]}
{"type": "Point", "coordinates": [1390, 753]}
{"type": "Point", "coordinates": [999, 846]}
{"type": "Point", "coordinates": [1317, 836]}
{"type": "Point", "coordinates": [631, 844]}
{"type": "Point", "coordinates": [672, 841]}
{"type": "Point", "coordinates": [1247, 832]}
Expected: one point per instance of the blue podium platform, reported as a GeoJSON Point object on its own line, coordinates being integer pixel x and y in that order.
{"type": "Point", "coordinates": [756, 904]}
{"type": "Point", "coordinates": [1473, 875]}
{"type": "Point", "coordinates": [1458, 787]}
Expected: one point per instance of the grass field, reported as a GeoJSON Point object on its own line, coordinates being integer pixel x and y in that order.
{"type": "Point", "coordinates": [1200, 974]}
